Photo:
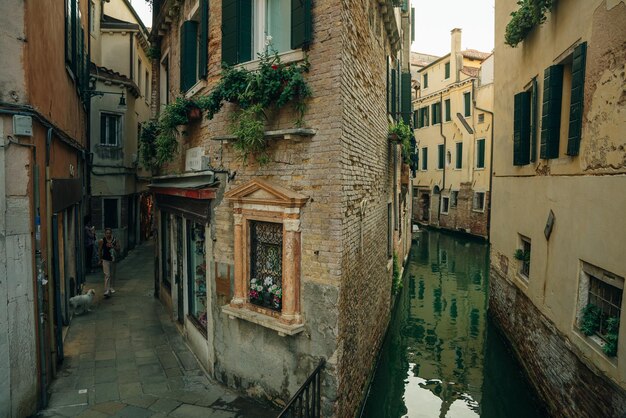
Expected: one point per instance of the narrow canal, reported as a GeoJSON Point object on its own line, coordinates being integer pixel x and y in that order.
{"type": "Point", "coordinates": [442, 356]}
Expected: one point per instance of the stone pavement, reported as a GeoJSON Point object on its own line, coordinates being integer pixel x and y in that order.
{"type": "Point", "coordinates": [126, 358]}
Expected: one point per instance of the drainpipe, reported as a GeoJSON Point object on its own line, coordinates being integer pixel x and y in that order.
{"type": "Point", "coordinates": [445, 140]}
{"type": "Point", "coordinates": [51, 277]}
{"type": "Point", "coordinates": [490, 163]}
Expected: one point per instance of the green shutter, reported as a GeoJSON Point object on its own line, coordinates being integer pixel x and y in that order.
{"type": "Point", "coordinates": [424, 158]}
{"type": "Point", "coordinates": [393, 93]}
{"type": "Point", "coordinates": [480, 162]}
{"type": "Point", "coordinates": [434, 113]}
{"type": "Point", "coordinates": [521, 128]}
{"type": "Point", "coordinates": [440, 156]}
{"type": "Point", "coordinates": [533, 124]}
{"type": "Point", "coordinates": [203, 58]}
{"type": "Point", "coordinates": [236, 31]}
{"type": "Point", "coordinates": [229, 31]}
{"type": "Point", "coordinates": [447, 69]}
{"type": "Point", "coordinates": [426, 116]}
{"type": "Point", "coordinates": [448, 115]}
{"type": "Point", "coordinates": [419, 118]}
{"type": "Point", "coordinates": [188, 54]}
{"type": "Point", "coordinates": [406, 98]}
{"type": "Point", "coordinates": [388, 86]}
{"type": "Point", "coordinates": [578, 93]}
{"type": "Point", "coordinates": [467, 98]}
{"type": "Point", "coordinates": [425, 80]}
{"type": "Point", "coordinates": [412, 24]}
{"type": "Point", "coordinates": [551, 111]}
{"type": "Point", "coordinates": [301, 24]}
{"type": "Point", "coordinates": [459, 155]}
{"type": "Point", "coordinates": [415, 119]}
{"type": "Point", "coordinates": [244, 38]}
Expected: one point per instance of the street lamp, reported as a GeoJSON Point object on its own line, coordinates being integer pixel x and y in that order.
{"type": "Point", "coordinates": [120, 106]}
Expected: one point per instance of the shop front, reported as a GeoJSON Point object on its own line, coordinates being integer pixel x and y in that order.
{"type": "Point", "coordinates": [183, 218]}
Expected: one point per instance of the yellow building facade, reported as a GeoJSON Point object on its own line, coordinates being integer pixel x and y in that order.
{"type": "Point", "coordinates": [559, 187]}
{"type": "Point", "coordinates": [453, 119]}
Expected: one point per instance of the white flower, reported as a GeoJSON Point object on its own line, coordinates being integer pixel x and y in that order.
{"type": "Point", "coordinates": [268, 281]}
{"type": "Point", "coordinates": [268, 40]}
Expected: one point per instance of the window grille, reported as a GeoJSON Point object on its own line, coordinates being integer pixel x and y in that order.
{"type": "Point", "coordinates": [266, 257]}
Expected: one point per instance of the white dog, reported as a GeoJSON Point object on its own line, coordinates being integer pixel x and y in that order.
{"type": "Point", "coordinates": [82, 303]}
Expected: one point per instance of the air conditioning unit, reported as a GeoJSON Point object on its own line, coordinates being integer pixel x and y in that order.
{"type": "Point", "coordinates": [22, 125]}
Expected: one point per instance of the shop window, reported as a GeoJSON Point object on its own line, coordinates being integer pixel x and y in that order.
{"type": "Point", "coordinates": [196, 264]}
{"type": "Point", "coordinates": [445, 204]}
{"type": "Point", "coordinates": [478, 203]}
{"type": "Point", "coordinates": [266, 260]}
{"type": "Point", "coordinates": [454, 197]}
{"type": "Point", "coordinates": [600, 306]}
{"type": "Point", "coordinates": [166, 256]}
{"type": "Point", "coordinates": [110, 210]}
{"type": "Point", "coordinates": [110, 129]}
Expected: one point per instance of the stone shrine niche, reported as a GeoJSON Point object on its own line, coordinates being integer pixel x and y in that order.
{"type": "Point", "coordinates": [267, 252]}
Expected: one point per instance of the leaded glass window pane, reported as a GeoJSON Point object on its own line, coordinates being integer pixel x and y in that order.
{"type": "Point", "coordinates": [266, 264]}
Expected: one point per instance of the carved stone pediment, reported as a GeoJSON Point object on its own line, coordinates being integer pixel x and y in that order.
{"type": "Point", "coordinates": [265, 193]}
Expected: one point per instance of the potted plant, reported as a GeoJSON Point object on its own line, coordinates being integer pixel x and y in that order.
{"type": "Point", "coordinates": [194, 113]}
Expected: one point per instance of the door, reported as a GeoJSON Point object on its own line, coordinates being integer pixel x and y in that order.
{"type": "Point", "coordinates": [178, 278]}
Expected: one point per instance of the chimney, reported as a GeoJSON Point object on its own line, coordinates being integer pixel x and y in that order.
{"type": "Point", "coordinates": [456, 59]}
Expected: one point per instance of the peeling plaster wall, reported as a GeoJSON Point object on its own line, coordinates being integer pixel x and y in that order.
{"type": "Point", "coordinates": [12, 41]}
{"type": "Point", "coordinates": [18, 362]}
{"type": "Point", "coordinates": [586, 194]}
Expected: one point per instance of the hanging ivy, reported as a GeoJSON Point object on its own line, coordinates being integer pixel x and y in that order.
{"type": "Point", "coordinates": [402, 133]}
{"type": "Point", "coordinates": [531, 13]}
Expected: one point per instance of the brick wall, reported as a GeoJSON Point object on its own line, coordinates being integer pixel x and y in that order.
{"type": "Point", "coordinates": [462, 217]}
{"type": "Point", "coordinates": [568, 386]}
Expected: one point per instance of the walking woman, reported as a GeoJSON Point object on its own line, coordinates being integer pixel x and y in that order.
{"type": "Point", "coordinates": [108, 250]}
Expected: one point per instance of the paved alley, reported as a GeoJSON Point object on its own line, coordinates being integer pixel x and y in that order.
{"type": "Point", "coordinates": [126, 358]}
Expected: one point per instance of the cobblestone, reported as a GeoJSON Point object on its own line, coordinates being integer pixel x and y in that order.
{"type": "Point", "coordinates": [125, 359]}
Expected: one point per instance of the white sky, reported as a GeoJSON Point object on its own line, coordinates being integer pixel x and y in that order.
{"type": "Point", "coordinates": [435, 19]}
{"type": "Point", "coordinates": [143, 10]}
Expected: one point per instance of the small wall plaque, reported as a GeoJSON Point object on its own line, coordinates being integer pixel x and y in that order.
{"type": "Point", "coordinates": [549, 225]}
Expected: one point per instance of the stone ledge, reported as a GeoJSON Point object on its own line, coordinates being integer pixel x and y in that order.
{"type": "Point", "coordinates": [263, 320]}
{"type": "Point", "coordinates": [294, 134]}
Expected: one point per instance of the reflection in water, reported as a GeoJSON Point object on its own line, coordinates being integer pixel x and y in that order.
{"type": "Point", "coordinates": [442, 357]}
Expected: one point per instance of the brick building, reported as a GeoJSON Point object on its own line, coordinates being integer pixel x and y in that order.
{"type": "Point", "coordinates": [453, 121]}
{"type": "Point", "coordinates": [558, 225]}
{"type": "Point", "coordinates": [327, 212]}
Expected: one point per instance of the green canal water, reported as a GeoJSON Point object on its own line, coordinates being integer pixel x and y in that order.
{"type": "Point", "coordinates": [442, 356]}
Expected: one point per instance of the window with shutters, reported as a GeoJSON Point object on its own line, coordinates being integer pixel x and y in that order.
{"type": "Point", "coordinates": [110, 129]}
{"type": "Point", "coordinates": [447, 109]}
{"type": "Point", "coordinates": [146, 82]}
{"type": "Point", "coordinates": [447, 70]}
{"type": "Point", "coordinates": [577, 99]}
{"type": "Point", "coordinates": [481, 118]}
{"type": "Point", "coordinates": [194, 47]}
{"type": "Point", "coordinates": [164, 80]}
{"type": "Point", "coordinates": [459, 156]}
{"type": "Point", "coordinates": [263, 26]}
{"type": "Point", "coordinates": [467, 100]}
{"type": "Point", "coordinates": [480, 153]}
{"type": "Point", "coordinates": [424, 158]}
{"type": "Point", "coordinates": [445, 204]}
{"type": "Point", "coordinates": [551, 112]}
{"type": "Point", "coordinates": [76, 53]}
{"type": "Point", "coordinates": [426, 80]}
{"type": "Point", "coordinates": [436, 109]}
{"type": "Point", "coordinates": [521, 128]}
{"type": "Point", "coordinates": [478, 203]}
{"type": "Point", "coordinates": [440, 156]}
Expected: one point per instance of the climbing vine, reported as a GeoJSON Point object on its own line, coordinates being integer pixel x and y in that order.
{"type": "Point", "coordinates": [402, 133]}
{"type": "Point", "coordinates": [531, 13]}
{"type": "Point", "coordinates": [272, 85]}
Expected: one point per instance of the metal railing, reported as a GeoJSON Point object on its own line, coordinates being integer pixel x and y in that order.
{"type": "Point", "coordinates": [306, 403]}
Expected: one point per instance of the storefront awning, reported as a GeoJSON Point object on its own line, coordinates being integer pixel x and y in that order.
{"type": "Point", "coordinates": [192, 187]}
{"type": "Point", "coordinates": [187, 195]}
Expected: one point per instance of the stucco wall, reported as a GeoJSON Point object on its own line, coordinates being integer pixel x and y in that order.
{"type": "Point", "coordinates": [12, 43]}
{"type": "Point", "coordinates": [589, 223]}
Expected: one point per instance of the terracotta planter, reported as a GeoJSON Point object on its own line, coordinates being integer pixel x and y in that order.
{"type": "Point", "coordinates": [194, 113]}
{"type": "Point", "coordinates": [393, 137]}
